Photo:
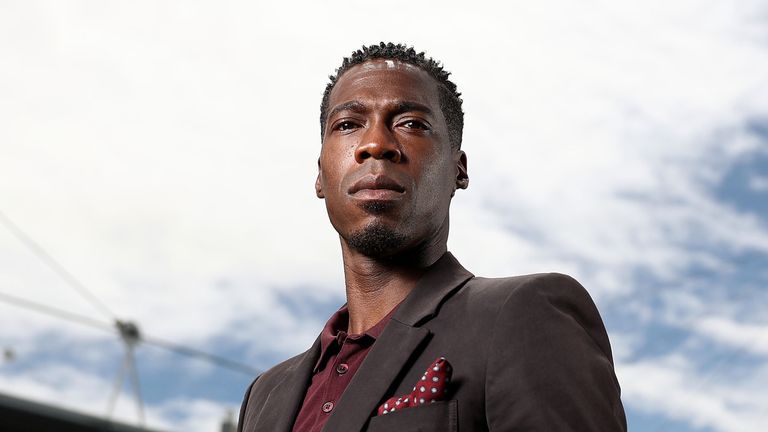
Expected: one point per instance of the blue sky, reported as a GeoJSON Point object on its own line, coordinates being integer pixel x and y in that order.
{"type": "Point", "coordinates": [165, 153]}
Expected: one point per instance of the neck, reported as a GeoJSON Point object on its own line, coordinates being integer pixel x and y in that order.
{"type": "Point", "coordinates": [375, 285]}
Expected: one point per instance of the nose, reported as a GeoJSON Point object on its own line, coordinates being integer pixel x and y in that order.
{"type": "Point", "coordinates": [378, 143]}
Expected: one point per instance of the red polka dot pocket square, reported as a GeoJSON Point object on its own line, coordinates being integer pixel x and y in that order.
{"type": "Point", "coordinates": [431, 388]}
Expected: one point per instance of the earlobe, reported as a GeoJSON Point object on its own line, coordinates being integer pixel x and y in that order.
{"type": "Point", "coordinates": [319, 189]}
{"type": "Point", "coordinates": [462, 177]}
{"type": "Point", "coordinates": [319, 182]}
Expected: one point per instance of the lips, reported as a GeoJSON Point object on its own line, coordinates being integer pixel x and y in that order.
{"type": "Point", "coordinates": [376, 186]}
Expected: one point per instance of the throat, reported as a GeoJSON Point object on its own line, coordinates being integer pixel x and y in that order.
{"type": "Point", "coordinates": [370, 298]}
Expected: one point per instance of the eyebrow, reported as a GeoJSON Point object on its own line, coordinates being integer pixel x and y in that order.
{"type": "Point", "coordinates": [406, 106]}
{"type": "Point", "coordinates": [361, 108]}
{"type": "Point", "coordinates": [354, 106]}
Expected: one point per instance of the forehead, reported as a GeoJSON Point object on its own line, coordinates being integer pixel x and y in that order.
{"type": "Point", "coordinates": [381, 81]}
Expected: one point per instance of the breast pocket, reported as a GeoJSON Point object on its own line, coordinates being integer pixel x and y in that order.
{"type": "Point", "coordinates": [435, 417]}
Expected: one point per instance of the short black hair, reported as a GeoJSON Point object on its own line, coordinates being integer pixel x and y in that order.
{"type": "Point", "coordinates": [450, 99]}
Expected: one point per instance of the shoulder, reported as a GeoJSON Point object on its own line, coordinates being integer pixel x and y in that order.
{"type": "Point", "coordinates": [556, 284]}
{"type": "Point", "coordinates": [259, 389]}
{"type": "Point", "coordinates": [540, 304]}
{"type": "Point", "coordinates": [273, 376]}
{"type": "Point", "coordinates": [556, 289]}
{"type": "Point", "coordinates": [550, 356]}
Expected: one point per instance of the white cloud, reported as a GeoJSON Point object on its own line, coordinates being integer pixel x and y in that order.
{"type": "Point", "coordinates": [672, 386]}
{"type": "Point", "coordinates": [748, 337]}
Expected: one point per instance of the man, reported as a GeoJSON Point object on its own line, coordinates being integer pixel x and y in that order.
{"type": "Point", "coordinates": [422, 344]}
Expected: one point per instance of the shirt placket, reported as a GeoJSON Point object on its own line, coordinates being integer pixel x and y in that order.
{"type": "Point", "coordinates": [339, 373]}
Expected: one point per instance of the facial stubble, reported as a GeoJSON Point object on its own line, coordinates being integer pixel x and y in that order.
{"type": "Point", "coordinates": [376, 239]}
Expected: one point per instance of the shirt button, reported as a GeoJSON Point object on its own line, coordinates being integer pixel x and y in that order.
{"type": "Point", "coordinates": [342, 368]}
{"type": "Point", "coordinates": [327, 407]}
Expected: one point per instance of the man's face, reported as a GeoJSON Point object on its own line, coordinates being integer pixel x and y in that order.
{"type": "Point", "coordinates": [386, 169]}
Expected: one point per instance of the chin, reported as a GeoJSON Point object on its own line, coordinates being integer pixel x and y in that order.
{"type": "Point", "coordinates": [377, 240]}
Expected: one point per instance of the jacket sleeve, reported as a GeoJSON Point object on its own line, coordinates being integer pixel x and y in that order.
{"type": "Point", "coordinates": [241, 419]}
{"type": "Point", "coordinates": [549, 364]}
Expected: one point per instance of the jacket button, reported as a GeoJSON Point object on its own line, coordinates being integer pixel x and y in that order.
{"type": "Point", "coordinates": [342, 368]}
{"type": "Point", "coordinates": [327, 407]}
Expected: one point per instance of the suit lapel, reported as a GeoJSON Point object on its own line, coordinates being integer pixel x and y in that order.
{"type": "Point", "coordinates": [442, 279]}
{"type": "Point", "coordinates": [282, 405]}
{"type": "Point", "coordinates": [376, 373]}
{"type": "Point", "coordinates": [396, 344]}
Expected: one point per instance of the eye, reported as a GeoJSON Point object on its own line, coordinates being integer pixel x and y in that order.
{"type": "Point", "coordinates": [414, 124]}
{"type": "Point", "coordinates": [345, 125]}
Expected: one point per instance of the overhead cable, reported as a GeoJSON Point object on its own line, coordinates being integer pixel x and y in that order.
{"type": "Point", "coordinates": [48, 260]}
{"type": "Point", "coordinates": [126, 327]}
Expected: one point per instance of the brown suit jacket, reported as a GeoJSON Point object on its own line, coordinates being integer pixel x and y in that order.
{"type": "Point", "coordinates": [529, 353]}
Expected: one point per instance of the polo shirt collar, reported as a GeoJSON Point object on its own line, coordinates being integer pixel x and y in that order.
{"type": "Point", "coordinates": [335, 332]}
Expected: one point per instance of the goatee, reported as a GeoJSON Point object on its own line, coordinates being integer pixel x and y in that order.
{"type": "Point", "coordinates": [376, 240]}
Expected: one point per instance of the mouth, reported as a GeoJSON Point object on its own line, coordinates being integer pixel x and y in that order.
{"type": "Point", "coordinates": [377, 187]}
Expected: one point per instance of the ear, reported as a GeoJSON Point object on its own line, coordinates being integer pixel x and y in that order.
{"type": "Point", "coordinates": [319, 182]}
{"type": "Point", "coordinates": [462, 178]}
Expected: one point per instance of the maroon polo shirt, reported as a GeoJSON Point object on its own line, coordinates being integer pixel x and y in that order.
{"type": "Point", "coordinates": [340, 356]}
